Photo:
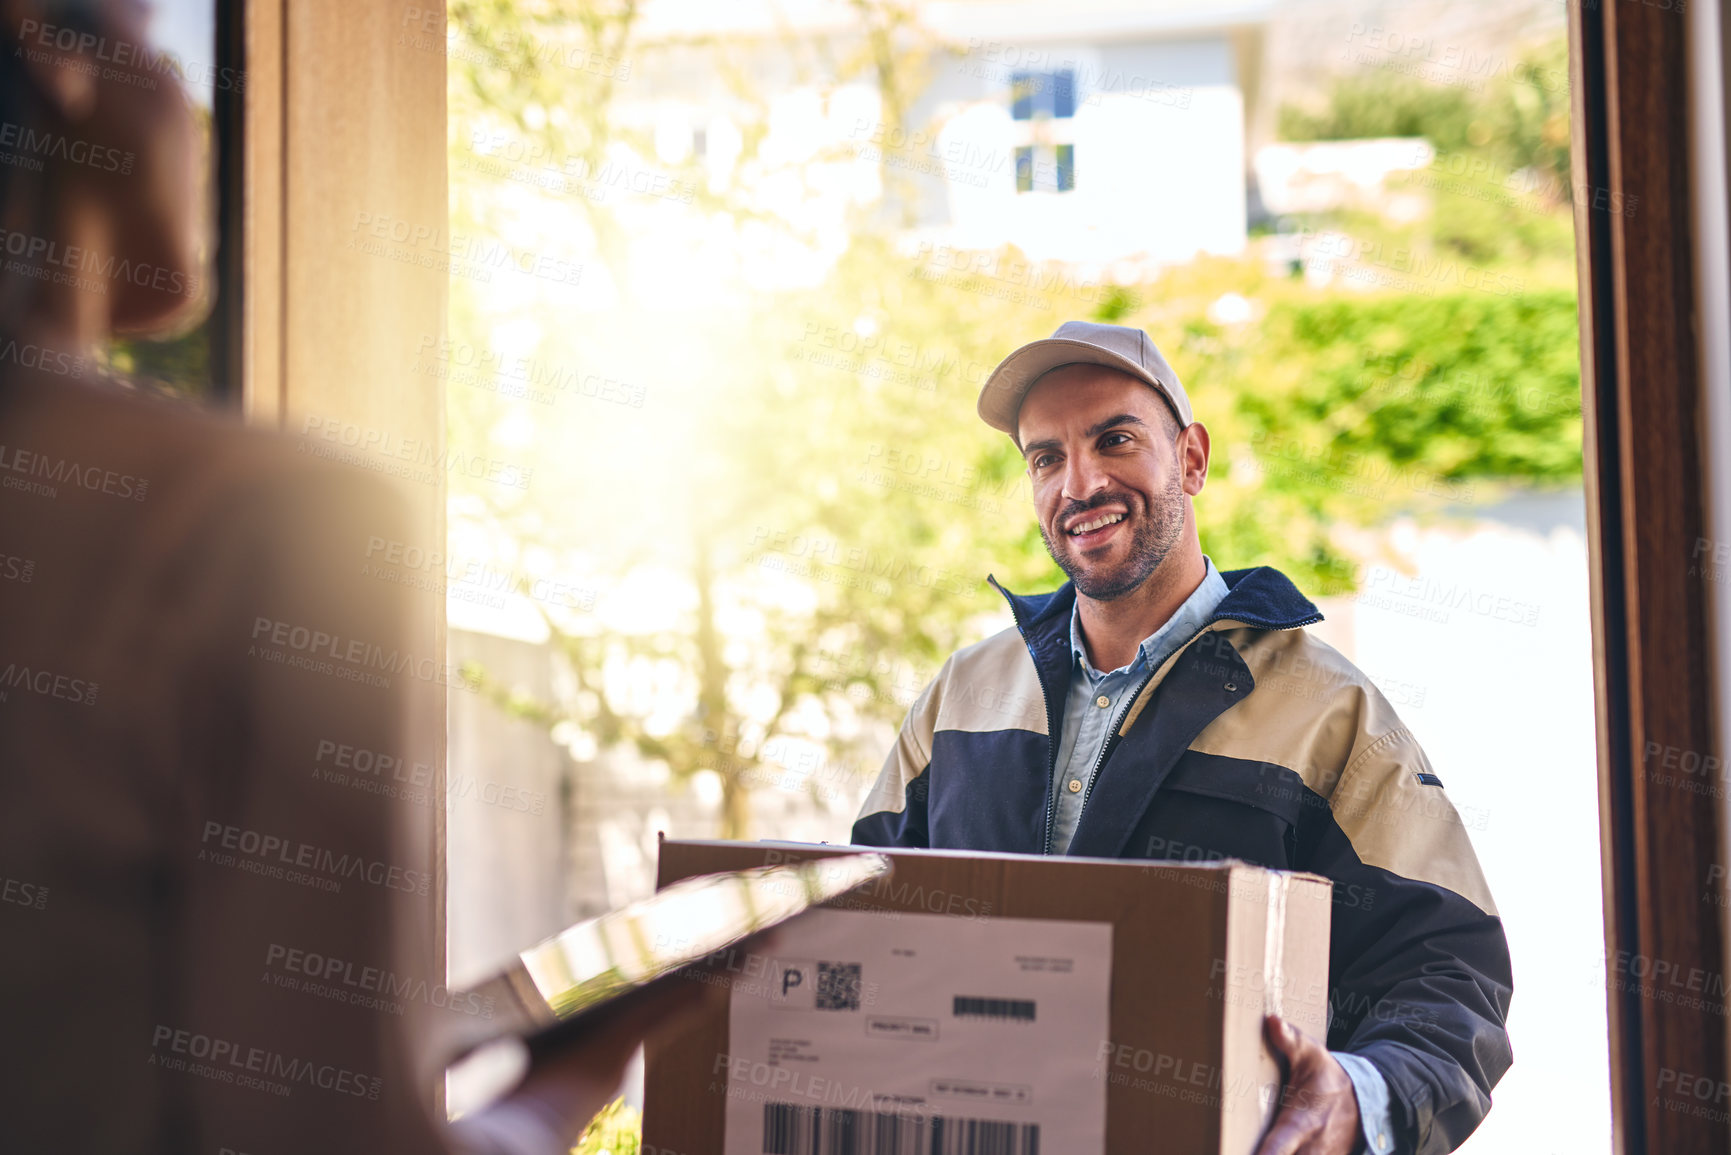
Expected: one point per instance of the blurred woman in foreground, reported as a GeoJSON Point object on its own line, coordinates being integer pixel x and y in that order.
{"type": "Point", "coordinates": [169, 866]}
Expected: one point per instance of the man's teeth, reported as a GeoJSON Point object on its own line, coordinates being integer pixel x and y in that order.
{"type": "Point", "coordinates": [1098, 523]}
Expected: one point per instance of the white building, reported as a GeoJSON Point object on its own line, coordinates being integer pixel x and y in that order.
{"type": "Point", "coordinates": [1093, 132]}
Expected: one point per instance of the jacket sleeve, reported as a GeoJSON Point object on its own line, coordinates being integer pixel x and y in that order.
{"type": "Point", "coordinates": [1419, 973]}
{"type": "Point", "coordinates": [894, 812]}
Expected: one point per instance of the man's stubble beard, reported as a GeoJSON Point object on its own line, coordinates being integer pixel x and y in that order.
{"type": "Point", "coordinates": [1151, 541]}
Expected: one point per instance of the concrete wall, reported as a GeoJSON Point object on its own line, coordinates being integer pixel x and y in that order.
{"type": "Point", "coordinates": [508, 836]}
{"type": "Point", "coordinates": [538, 840]}
{"type": "Point", "coordinates": [1477, 632]}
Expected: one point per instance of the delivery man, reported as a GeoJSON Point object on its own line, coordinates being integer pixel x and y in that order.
{"type": "Point", "coordinates": [1154, 707]}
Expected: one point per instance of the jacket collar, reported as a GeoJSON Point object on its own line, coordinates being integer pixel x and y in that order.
{"type": "Point", "coordinates": [1262, 597]}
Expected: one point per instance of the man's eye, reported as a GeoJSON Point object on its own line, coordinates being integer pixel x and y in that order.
{"type": "Point", "coordinates": [1044, 460]}
{"type": "Point", "coordinates": [1112, 439]}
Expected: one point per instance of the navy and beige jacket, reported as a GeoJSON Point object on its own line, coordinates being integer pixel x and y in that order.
{"type": "Point", "coordinates": [1254, 741]}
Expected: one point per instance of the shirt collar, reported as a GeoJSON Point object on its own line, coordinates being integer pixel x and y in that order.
{"type": "Point", "coordinates": [1188, 617]}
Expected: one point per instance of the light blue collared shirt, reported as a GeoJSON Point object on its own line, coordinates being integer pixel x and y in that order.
{"type": "Point", "coordinates": [1097, 701]}
{"type": "Point", "coordinates": [1373, 1105]}
{"type": "Point", "coordinates": [1092, 709]}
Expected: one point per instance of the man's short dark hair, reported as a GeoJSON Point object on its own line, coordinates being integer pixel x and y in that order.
{"type": "Point", "coordinates": [1169, 421]}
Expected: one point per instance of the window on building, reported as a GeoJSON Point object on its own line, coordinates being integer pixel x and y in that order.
{"type": "Point", "coordinates": [1039, 95]}
{"type": "Point", "coordinates": [1046, 104]}
{"type": "Point", "coordinates": [1046, 168]}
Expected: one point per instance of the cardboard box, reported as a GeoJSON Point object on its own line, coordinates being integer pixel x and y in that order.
{"type": "Point", "coordinates": [1199, 953]}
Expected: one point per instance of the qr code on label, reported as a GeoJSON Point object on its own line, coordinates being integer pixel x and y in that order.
{"type": "Point", "coordinates": [838, 986]}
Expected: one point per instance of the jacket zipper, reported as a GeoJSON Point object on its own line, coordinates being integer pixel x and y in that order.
{"type": "Point", "coordinates": [1112, 734]}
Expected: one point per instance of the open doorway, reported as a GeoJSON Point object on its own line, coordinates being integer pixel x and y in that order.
{"type": "Point", "coordinates": [725, 283]}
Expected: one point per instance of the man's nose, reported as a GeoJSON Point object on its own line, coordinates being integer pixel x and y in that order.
{"type": "Point", "coordinates": [1083, 477]}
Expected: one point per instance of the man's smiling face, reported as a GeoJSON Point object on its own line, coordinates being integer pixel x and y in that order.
{"type": "Point", "coordinates": [1109, 480]}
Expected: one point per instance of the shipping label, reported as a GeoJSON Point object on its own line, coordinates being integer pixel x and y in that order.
{"type": "Point", "coordinates": [916, 1034]}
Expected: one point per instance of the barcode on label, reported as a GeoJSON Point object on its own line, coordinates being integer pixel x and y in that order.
{"type": "Point", "coordinates": [984, 1008]}
{"type": "Point", "coordinates": [793, 1129]}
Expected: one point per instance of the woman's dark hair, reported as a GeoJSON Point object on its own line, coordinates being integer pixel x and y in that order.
{"type": "Point", "coordinates": [20, 189]}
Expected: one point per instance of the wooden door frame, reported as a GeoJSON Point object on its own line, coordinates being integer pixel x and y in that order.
{"type": "Point", "coordinates": [344, 123]}
{"type": "Point", "coordinates": [1661, 819]}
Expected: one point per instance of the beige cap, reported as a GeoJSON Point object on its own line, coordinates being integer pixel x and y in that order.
{"type": "Point", "coordinates": [1078, 342]}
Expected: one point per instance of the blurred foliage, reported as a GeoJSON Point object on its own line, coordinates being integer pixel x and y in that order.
{"type": "Point", "coordinates": [1519, 117]}
{"type": "Point", "coordinates": [181, 363]}
{"type": "Point", "coordinates": [792, 529]}
{"type": "Point", "coordinates": [1366, 106]}
{"type": "Point", "coordinates": [1337, 412]}
{"type": "Point", "coordinates": [1500, 184]}
{"type": "Point", "coordinates": [617, 1130]}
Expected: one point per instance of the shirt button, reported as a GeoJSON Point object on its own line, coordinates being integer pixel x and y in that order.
{"type": "Point", "coordinates": [1102, 701]}
{"type": "Point", "coordinates": [1075, 786]}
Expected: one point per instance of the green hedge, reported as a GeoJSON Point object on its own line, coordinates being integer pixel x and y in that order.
{"type": "Point", "coordinates": [1471, 386]}
{"type": "Point", "coordinates": [1345, 412]}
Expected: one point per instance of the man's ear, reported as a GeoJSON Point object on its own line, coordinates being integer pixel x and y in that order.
{"type": "Point", "coordinates": [64, 80]}
{"type": "Point", "coordinates": [1193, 457]}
